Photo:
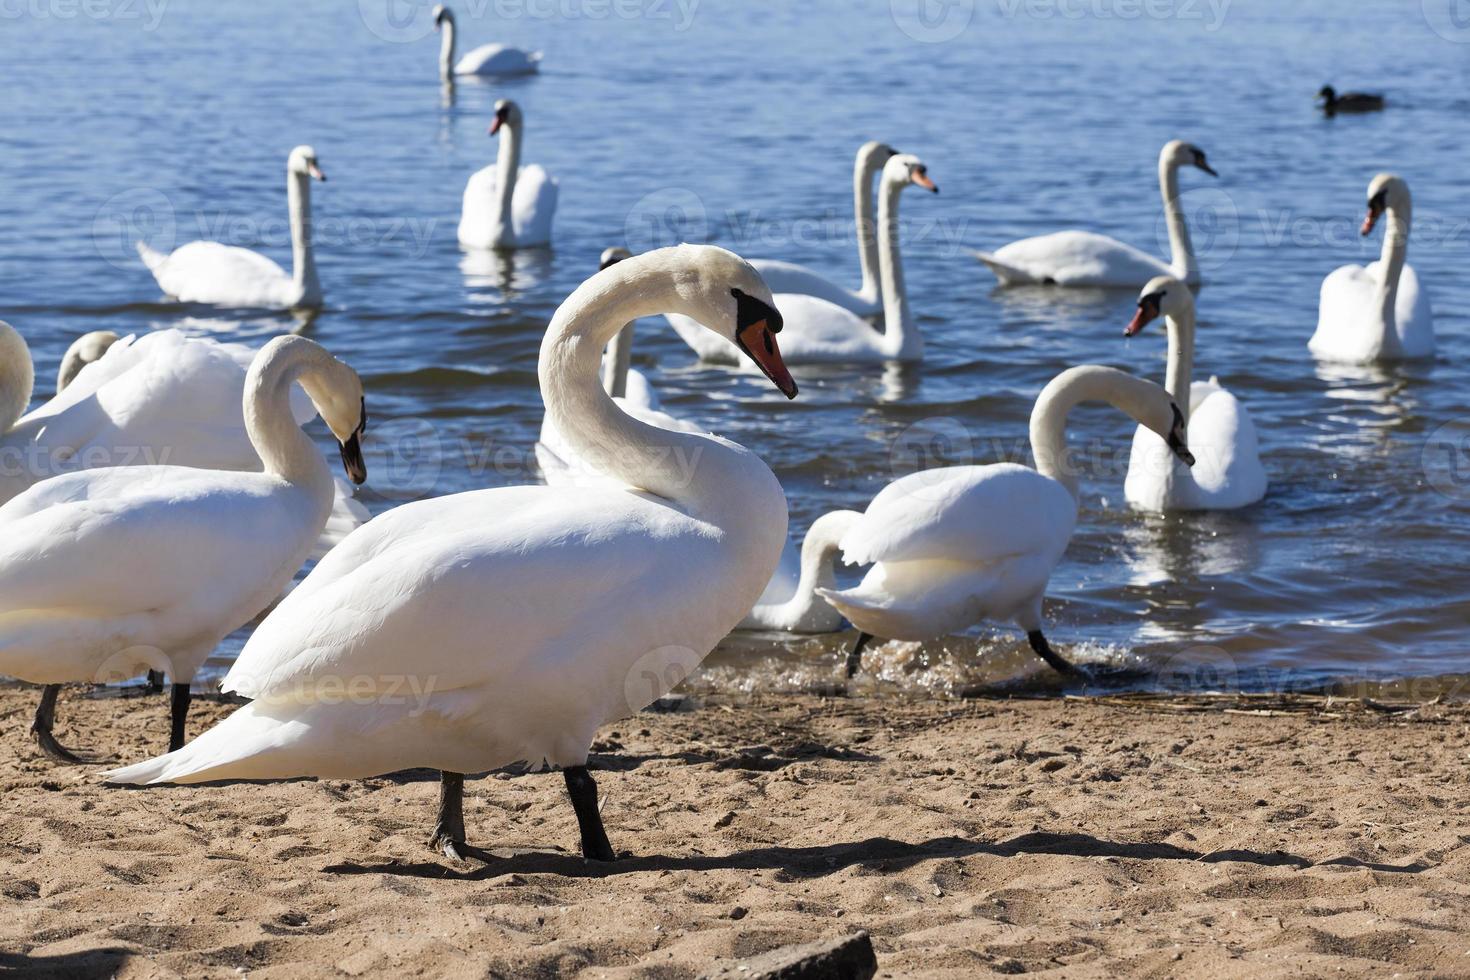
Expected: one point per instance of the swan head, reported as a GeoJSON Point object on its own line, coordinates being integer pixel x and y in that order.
{"type": "Point", "coordinates": [1178, 153]}
{"type": "Point", "coordinates": [441, 14]}
{"type": "Point", "coordinates": [903, 169]}
{"type": "Point", "coordinates": [336, 391]}
{"type": "Point", "coordinates": [612, 256]}
{"type": "Point", "coordinates": [303, 161]}
{"type": "Point", "coordinates": [17, 376]}
{"type": "Point", "coordinates": [874, 154]}
{"type": "Point", "coordinates": [1388, 192]}
{"type": "Point", "coordinates": [507, 113]}
{"type": "Point", "coordinates": [84, 350]}
{"type": "Point", "coordinates": [725, 294]}
{"type": "Point", "coordinates": [1163, 296]}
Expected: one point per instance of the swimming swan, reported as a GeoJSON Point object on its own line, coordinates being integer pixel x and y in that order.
{"type": "Point", "coordinates": [507, 205]}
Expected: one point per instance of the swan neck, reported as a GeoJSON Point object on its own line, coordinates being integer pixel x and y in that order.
{"type": "Point", "coordinates": [283, 447]}
{"type": "Point", "coordinates": [1180, 372]}
{"type": "Point", "coordinates": [446, 47]}
{"type": "Point", "coordinates": [507, 166]}
{"type": "Point", "coordinates": [900, 338]}
{"type": "Point", "coordinates": [17, 377]}
{"type": "Point", "coordinates": [1394, 257]}
{"type": "Point", "coordinates": [615, 365]}
{"type": "Point", "coordinates": [1181, 246]}
{"type": "Point", "coordinates": [1089, 383]}
{"type": "Point", "coordinates": [303, 259]}
{"type": "Point", "coordinates": [864, 170]}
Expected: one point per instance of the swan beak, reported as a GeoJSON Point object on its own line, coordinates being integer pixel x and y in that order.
{"type": "Point", "coordinates": [923, 181]}
{"type": "Point", "coordinates": [1182, 452]}
{"type": "Point", "coordinates": [758, 341]}
{"type": "Point", "coordinates": [352, 460]}
{"type": "Point", "coordinates": [316, 172]}
{"type": "Point", "coordinates": [1371, 221]}
{"type": "Point", "coordinates": [1207, 169]}
{"type": "Point", "coordinates": [498, 121]}
{"type": "Point", "coordinates": [1148, 311]}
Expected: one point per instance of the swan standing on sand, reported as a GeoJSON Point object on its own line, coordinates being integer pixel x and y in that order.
{"type": "Point", "coordinates": [109, 572]}
{"type": "Point", "coordinates": [1378, 313]}
{"type": "Point", "coordinates": [227, 275]}
{"type": "Point", "coordinates": [487, 59]}
{"type": "Point", "coordinates": [819, 332]}
{"type": "Point", "coordinates": [528, 616]}
{"type": "Point", "coordinates": [789, 277]}
{"type": "Point", "coordinates": [559, 461]}
{"type": "Point", "coordinates": [507, 205]}
{"type": "Point", "coordinates": [1084, 258]}
{"type": "Point", "coordinates": [790, 603]}
{"type": "Point", "coordinates": [1228, 472]}
{"type": "Point", "coordinates": [953, 546]}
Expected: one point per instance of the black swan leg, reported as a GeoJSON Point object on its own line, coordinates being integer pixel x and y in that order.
{"type": "Point", "coordinates": [41, 729]}
{"type": "Point", "coordinates": [178, 714]}
{"type": "Point", "coordinates": [855, 655]}
{"type": "Point", "coordinates": [1045, 652]}
{"type": "Point", "coordinates": [448, 834]}
{"type": "Point", "coordinates": [583, 791]}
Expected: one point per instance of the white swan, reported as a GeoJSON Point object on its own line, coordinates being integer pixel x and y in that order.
{"type": "Point", "coordinates": [227, 275]}
{"type": "Point", "coordinates": [819, 332]}
{"type": "Point", "coordinates": [162, 398]}
{"type": "Point", "coordinates": [526, 616]}
{"type": "Point", "coordinates": [790, 602]}
{"type": "Point", "coordinates": [1084, 258]}
{"type": "Point", "coordinates": [789, 277]}
{"type": "Point", "coordinates": [488, 59]}
{"type": "Point", "coordinates": [1378, 313]}
{"type": "Point", "coordinates": [952, 546]}
{"type": "Point", "coordinates": [110, 572]}
{"type": "Point", "coordinates": [1227, 473]}
{"type": "Point", "coordinates": [558, 459]}
{"type": "Point", "coordinates": [507, 205]}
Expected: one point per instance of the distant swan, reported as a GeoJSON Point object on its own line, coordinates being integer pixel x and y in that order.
{"type": "Point", "coordinates": [1227, 473]}
{"type": "Point", "coordinates": [230, 276]}
{"type": "Point", "coordinates": [109, 572]}
{"type": "Point", "coordinates": [956, 545]}
{"type": "Point", "coordinates": [1084, 258]}
{"type": "Point", "coordinates": [487, 59]}
{"type": "Point", "coordinates": [791, 278]}
{"type": "Point", "coordinates": [819, 332]}
{"type": "Point", "coordinates": [533, 614]}
{"type": "Point", "coordinates": [1378, 313]}
{"type": "Point", "coordinates": [507, 205]}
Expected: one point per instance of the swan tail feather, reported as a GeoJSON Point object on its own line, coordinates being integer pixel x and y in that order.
{"type": "Point", "coordinates": [1007, 274]}
{"type": "Point", "coordinates": [151, 257]}
{"type": "Point", "coordinates": [226, 751]}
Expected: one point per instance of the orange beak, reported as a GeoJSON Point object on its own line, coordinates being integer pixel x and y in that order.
{"type": "Point", "coordinates": [1374, 213]}
{"type": "Point", "coordinates": [1145, 315]}
{"type": "Point", "coordinates": [316, 172]}
{"type": "Point", "coordinates": [923, 181]}
{"type": "Point", "coordinates": [759, 343]}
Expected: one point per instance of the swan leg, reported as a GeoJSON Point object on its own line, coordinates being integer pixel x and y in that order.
{"type": "Point", "coordinates": [855, 655]}
{"type": "Point", "coordinates": [449, 830]}
{"type": "Point", "coordinates": [583, 791]}
{"type": "Point", "coordinates": [155, 682]}
{"type": "Point", "coordinates": [41, 729]}
{"type": "Point", "coordinates": [178, 712]}
{"type": "Point", "coordinates": [1045, 652]}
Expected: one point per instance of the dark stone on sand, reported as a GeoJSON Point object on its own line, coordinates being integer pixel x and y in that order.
{"type": "Point", "coordinates": [840, 958]}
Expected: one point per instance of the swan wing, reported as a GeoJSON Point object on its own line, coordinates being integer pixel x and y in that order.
{"type": "Point", "coordinates": [1415, 318]}
{"type": "Point", "coordinates": [1075, 258]}
{"type": "Point", "coordinates": [477, 226]}
{"type": "Point", "coordinates": [789, 277]}
{"type": "Point", "coordinates": [817, 331]}
{"type": "Point", "coordinates": [533, 205]}
{"type": "Point", "coordinates": [223, 275]}
{"type": "Point", "coordinates": [498, 59]}
{"type": "Point", "coordinates": [1227, 472]}
{"type": "Point", "coordinates": [964, 514]}
{"type": "Point", "coordinates": [1349, 327]}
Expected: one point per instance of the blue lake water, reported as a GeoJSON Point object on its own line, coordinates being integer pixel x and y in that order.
{"type": "Point", "coordinates": [736, 123]}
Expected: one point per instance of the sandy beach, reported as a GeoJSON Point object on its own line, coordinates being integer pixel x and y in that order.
{"type": "Point", "coordinates": [1069, 838]}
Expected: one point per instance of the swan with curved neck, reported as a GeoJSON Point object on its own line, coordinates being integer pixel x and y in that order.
{"type": "Point", "coordinates": [507, 205]}
{"type": "Point", "coordinates": [1228, 472]}
{"type": "Point", "coordinates": [797, 608]}
{"type": "Point", "coordinates": [536, 613]}
{"type": "Point", "coordinates": [86, 349]}
{"type": "Point", "coordinates": [791, 278]}
{"type": "Point", "coordinates": [956, 545]}
{"type": "Point", "coordinates": [227, 275]}
{"type": "Point", "coordinates": [109, 572]}
{"type": "Point", "coordinates": [1083, 258]}
{"type": "Point", "coordinates": [1378, 313]}
{"type": "Point", "coordinates": [486, 60]}
{"type": "Point", "coordinates": [819, 332]}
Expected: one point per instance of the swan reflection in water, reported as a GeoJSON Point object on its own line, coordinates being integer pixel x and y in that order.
{"type": "Point", "coordinates": [505, 272]}
{"type": "Point", "coordinates": [1374, 402]}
